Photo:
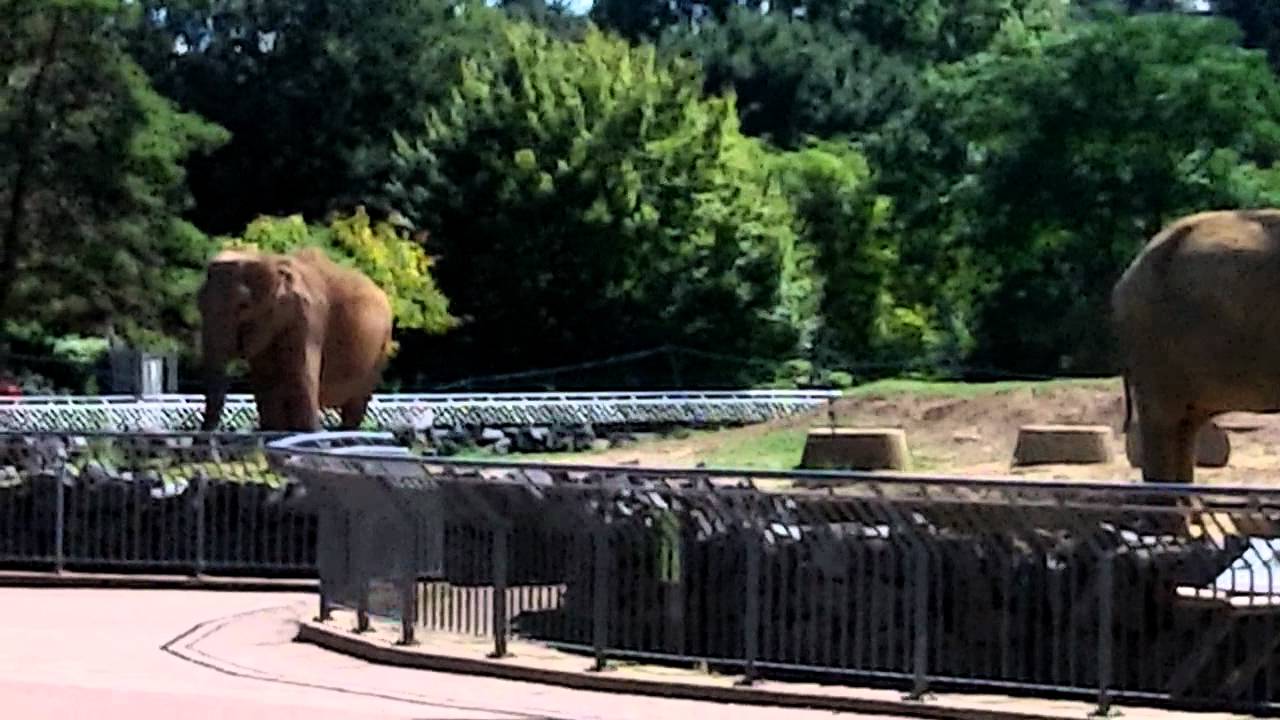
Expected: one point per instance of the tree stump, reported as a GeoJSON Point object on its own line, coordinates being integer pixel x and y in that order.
{"type": "Point", "coordinates": [855, 449]}
{"type": "Point", "coordinates": [1213, 446]}
{"type": "Point", "coordinates": [1062, 444]}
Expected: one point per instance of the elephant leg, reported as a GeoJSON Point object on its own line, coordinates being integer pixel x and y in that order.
{"type": "Point", "coordinates": [1169, 457]}
{"type": "Point", "coordinates": [1188, 435]}
{"type": "Point", "coordinates": [1163, 447]}
{"type": "Point", "coordinates": [353, 412]}
{"type": "Point", "coordinates": [303, 394]}
{"type": "Point", "coordinates": [270, 410]}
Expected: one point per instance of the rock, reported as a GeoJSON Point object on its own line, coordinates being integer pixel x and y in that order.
{"type": "Point", "coordinates": [600, 444]}
{"type": "Point", "coordinates": [856, 449]}
{"type": "Point", "coordinates": [622, 439]}
{"type": "Point", "coordinates": [96, 472]}
{"type": "Point", "coordinates": [536, 477]}
{"type": "Point", "coordinates": [1057, 444]}
{"type": "Point", "coordinates": [491, 435]}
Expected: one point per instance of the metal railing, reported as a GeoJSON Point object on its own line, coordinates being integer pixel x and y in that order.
{"type": "Point", "coordinates": [170, 503]}
{"type": "Point", "coordinates": [634, 409]}
{"type": "Point", "coordinates": [1156, 594]}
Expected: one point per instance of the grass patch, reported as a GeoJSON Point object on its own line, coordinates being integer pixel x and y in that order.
{"type": "Point", "coordinates": [779, 449]}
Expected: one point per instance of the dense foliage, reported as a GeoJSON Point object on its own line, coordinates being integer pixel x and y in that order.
{"type": "Point", "coordinates": [767, 191]}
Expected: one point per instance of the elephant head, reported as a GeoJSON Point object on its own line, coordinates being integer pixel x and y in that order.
{"type": "Point", "coordinates": [240, 294]}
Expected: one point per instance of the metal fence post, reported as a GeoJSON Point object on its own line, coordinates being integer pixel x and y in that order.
{"type": "Point", "coordinates": [920, 592]}
{"type": "Point", "coordinates": [500, 545]}
{"type": "Point", "coordinates": [1106, 581]}
{"type": "Point", "coordinates": [331, 529]}
{"type": "Point", "coordinates": [201, 539]}
{"type": "Point", "coordinates": [600, 605]}
{"type": "Point", "coordinates": [408, 608]}
{"type": "Point", "coordinates": [59, 521]}
{"type": "Point", "coordinates": [751, 619]}
{"type": "Point", "coordinates": [362, 605]}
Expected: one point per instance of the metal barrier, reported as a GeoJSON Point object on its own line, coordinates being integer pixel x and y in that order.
{"type": "Point", "coordinates": [175, 502]}
{"type": "Point", "coordinates": [183, 412]}
{"type": "Point", "coordinates": [1161, 594]}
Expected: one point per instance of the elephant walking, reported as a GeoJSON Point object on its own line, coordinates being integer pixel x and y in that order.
{"type": "Point", "coordinates": [1197, 318]}
{"type": "Point", "coordinates": [314, 334]}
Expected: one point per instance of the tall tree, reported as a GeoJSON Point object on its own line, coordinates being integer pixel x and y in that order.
{"type": "Point", "coordinates": [311, 91]}
{"type": "Point", "coordinates": [1083, 148]}
{"type": "Point", "coordinates": [92, 181]}
{"type": "Point", "coordinates": [585, 199]}
{"type": "Point", "coordinates": [1259, 20]}
{"type": "Point", "coordinates": [794, 78]}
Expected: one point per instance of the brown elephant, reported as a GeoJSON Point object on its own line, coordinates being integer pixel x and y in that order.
{"type": "Point", "coordinates": [314, 334]}
{"type": "Point", "coordinates": [1197, 318]}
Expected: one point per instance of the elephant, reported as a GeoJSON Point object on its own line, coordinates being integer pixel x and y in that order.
{"type": "Point", "coordinates": [313, 333]}
{"type": "Point", "coordinates": [1198, 332]}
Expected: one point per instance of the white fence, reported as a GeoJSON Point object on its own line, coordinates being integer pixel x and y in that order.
{"type": "Point", "coordinates": [172, 412]}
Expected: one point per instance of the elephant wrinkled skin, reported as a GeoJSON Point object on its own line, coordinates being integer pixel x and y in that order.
{"type": "Point", "coordinates": [1197, 319]}
{"type": "Point", "coordinates": [314, 334]}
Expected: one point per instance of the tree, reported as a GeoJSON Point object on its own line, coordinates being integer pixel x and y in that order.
{"type": "Point", "coordinates": [829, 185]}
{"type": "Point", "coordinates": [1258, 21]}
{"type": "Point", "coordinates": [1082, 148]}
{"type": "Point", "coordinates": [586, 200]}
{"type": "Point", "coordinates": [794, 78]}
{"type": "Point", "coordinates": [92, 181]}
{"type": "Point", "coordinates": [311, 91]}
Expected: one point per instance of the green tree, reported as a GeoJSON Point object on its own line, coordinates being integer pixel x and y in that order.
{"type": "Point", "coordinates": [838, 215]}
{"type": "Point", "coordinates": [794, 78]}
{"type": "Point", "coordinates": [311, 91]}
{"type": "Point", "coordinates": [92, 180]}
{"type": "Point", "coordinates": [585, 199]}
{"type": "Point", "coordinates": [1082, 147]}
{"type": "Point", "coordinates": [1258, 20]}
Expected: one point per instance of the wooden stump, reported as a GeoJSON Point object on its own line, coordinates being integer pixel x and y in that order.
{"type": "Point", "coordinates": [1062, 444]}
{"type": "Point", "coordinates": [1213, 446]}
{"type": "Point", "coordinates": [855, 449]}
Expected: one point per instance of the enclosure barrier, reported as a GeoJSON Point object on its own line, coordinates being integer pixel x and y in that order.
{"type": "Point", "coordinates": [1153, 594]}
{"type": "Point", "coordinates": [443, 410]}
{"type": "Point", "coordinates": [186, 503]}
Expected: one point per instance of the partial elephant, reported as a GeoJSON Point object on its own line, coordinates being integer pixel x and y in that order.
{"type": "Point", "coordinates": [313, 333]}
{"type": "Point", "coordinates": [1197, 319]}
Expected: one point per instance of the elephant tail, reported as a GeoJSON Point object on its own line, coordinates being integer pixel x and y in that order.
{"type": "Point", "coordinates": [1128, 402]}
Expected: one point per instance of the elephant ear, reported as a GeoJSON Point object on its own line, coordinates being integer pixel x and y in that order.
{"type": "Point", "coordinates": [290, 289]}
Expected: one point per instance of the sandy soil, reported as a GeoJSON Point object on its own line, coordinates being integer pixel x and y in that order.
{"type": "Point", "coordinates": [975, 435]}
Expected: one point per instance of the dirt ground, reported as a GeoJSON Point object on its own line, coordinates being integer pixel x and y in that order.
{"type": "Point", "coordinates": [974, 434]}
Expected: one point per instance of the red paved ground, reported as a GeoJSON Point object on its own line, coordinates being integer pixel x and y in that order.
{"type": "Point", "coordinates": [185, 655]}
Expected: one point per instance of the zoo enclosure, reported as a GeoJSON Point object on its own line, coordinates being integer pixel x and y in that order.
{"type": "Point", "coordinates": [1146, 593]}
{"type": "Point", "coordinates": [1113, 590]}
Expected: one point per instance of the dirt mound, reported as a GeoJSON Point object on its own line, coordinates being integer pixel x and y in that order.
{"type": "Point", "coordinates": [971, 430]}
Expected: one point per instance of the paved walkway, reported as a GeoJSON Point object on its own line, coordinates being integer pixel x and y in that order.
{"type": "Point", "coordinates": [194, 655]}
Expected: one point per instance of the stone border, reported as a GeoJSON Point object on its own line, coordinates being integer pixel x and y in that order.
{"type": "Point", "coordinates": [25, 579]}
{"type": "Point", "coordinates": [333, 638]}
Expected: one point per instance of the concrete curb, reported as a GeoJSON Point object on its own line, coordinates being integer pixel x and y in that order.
{"type": "Point", "coordinates": [152, 582]}
{"type": "Point", "coordinates": [346, 643]}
